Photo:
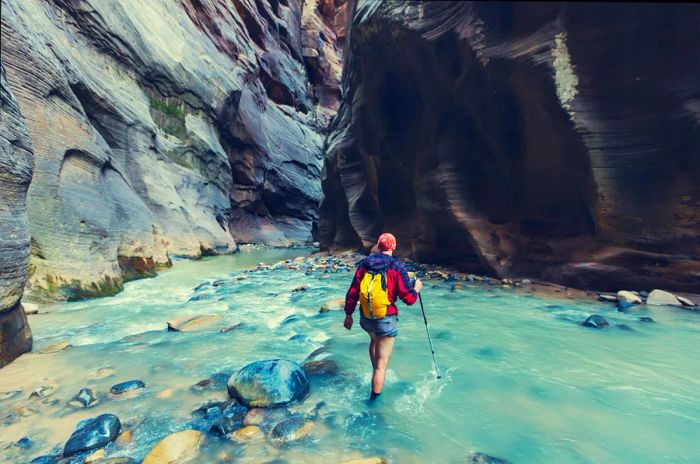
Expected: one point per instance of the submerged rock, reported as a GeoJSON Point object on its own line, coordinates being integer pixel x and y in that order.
{"type": "Point", "coordinates": [646, 319]}
{"type": "Point", "coordinates": [624, 305]}
{"type": "Point", "coordinates": [322, 367]}
{"type": "Point", "coordinates": [270, 383]}
{"type": "Point", "coordinates": [86, 398]}
{"type": "Point", "coordinates": [292, 429]}
{"type": "Point", "coordinates": [92, 433]}
{"type": "Point", "coordinates": [248, 434]}
{"type": "Point", "coordinates": [192, 323]}
{"type": "Point", "coordinates": [596, 321]}
{"type": "Point", "coordinates": [127, 386]}
{"type": "Point", "coordinates": [661, 297]}
{"type": "Point", "coordinates": [482, 458]}
{"type": "Point", "coordinates": [176, 448]}
{"type": "Point", "coordinates": [332, 305]}
{"type": "Point", "coordinates": [215, 382]}
{"type": "Point", "coordinates": [231, 419]}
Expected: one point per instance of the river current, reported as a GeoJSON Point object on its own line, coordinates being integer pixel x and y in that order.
{"type": "Point", "coordinates": [521, 378]}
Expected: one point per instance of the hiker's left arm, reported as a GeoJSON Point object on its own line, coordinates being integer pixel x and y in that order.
{"type": "Point", "coordinates": [353, 295]}
{"type": "Point", "coordinates": [405, 289]}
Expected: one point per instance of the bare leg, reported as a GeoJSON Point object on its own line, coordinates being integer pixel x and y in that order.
{"type": "Point", "coordinates": [372, 350]}
{"type": "Point", "coordinates": [384, 347]}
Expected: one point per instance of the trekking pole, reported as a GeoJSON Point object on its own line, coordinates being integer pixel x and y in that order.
{"type": "Point", "coordinates": [432, 350]}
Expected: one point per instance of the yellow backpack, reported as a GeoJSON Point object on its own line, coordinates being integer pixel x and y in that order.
{"type": "Point", "coordinates": [374, 298]}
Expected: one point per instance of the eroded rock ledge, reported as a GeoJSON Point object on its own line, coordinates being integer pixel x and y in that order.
{"type": "Point", "coordinates": [549, 140]}
{"type": "Point", "coordinates": [167, 129]}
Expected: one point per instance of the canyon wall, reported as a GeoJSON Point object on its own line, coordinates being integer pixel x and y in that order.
{"type": "Point", "coordinates": [167, 128]}
{"type": "Point", "coordinates": [16, 165]}
{"type": "Point", "coordinates": [551, 140]}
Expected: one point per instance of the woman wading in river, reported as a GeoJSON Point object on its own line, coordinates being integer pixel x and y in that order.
{"type": "Point", "coordinates": [379, 280]}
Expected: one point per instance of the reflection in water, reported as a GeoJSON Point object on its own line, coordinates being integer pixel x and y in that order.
{"type": "Point", "coordinates": [522, 379]}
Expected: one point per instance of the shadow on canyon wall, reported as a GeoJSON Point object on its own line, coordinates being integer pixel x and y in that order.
{"type": "Point", "coordinates": [551, 140]}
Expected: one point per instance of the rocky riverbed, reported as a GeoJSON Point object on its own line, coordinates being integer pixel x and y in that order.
{"type": "Point", "coordinates": [163, 372]}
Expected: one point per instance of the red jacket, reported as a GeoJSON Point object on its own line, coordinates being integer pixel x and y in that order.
{"type": "Point", "coordinates": [398, 284]}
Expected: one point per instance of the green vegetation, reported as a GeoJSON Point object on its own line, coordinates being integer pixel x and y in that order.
{"type": "Point", "coordinates": [167, 108]}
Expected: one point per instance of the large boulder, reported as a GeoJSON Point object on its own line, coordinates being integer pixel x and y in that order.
{"type": "Point", "coordinates": [92, 433]}
{"type": "Point", "coordinates": [628, 297]}
{"type": "Point", "coordinates": [271, 383]}
{"type": "Point", "coordinates": [661, 297]}
{"type": "Point", "coordinates": [177, 448]}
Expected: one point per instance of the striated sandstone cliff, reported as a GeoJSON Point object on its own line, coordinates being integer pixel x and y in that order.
{"type": "Point", "coordinates": [16, 164]}
{"type": "Point", "coordinates": [547, 139]}
{"type": "Point", "coordinates": [166, 128]}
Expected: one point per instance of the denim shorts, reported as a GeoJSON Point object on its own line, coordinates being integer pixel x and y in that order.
{"type": "Point", "coordinates": [384, 327]}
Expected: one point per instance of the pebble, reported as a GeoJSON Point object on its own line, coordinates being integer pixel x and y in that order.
{"type": "Point", "coordinates": [292, 429]}
{"type": "Point", "coordinates": [127, 386]}
{"type": "Point", "coordinates": [248, 434]}
{"type": "Point", "coordinates": [685, 301]}
{"type": "Point", "coordinates": [86, 398]}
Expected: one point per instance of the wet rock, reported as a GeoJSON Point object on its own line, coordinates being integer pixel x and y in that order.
{"type": "Point", "coordinates": [125, 438]}
{"type": "Point", "coordinates": [92, 433]}
{"type": "Point", "coordinates": [629, 297]}
{"type": "Point", "coordinates": [457, 287]}
{"type": "Point", "coordinates": [128, 386]}
{"type": "Point", "coordinates": [55, 348]}
{"type": "Point", "coordinates": [43, 391]}
{"type": "Point", "coordinates": [646, 319]}
{"type": "Point", "coordinates": [292, 429]}
{"type": "Point", "coordinates": [269, 383]}
{"type": "Point", "coordinates": [624, 327]}
{"type": "Point", "coordinates": [24, 443]}
{"type": "Point", "coordinates": [661, 297]}
{"type": "Point", "coordinates": [685, 301]}
{"type": "Point", "coordinates": [212, 409]}
{"type": "Point", "coordinates": [624, 305]}
{"type": "Point", "coordinates": [176, 448]}
{"type": "Point", "coordinates": [230, 420]}
{"type": "Point", "coordinates": [248, 434]}
{"type": "Point", "coordinates": [86, 398]}
{"type": "Point", "coordinates": [192, 323]}
{"type": "Point", "coordinates": [596, 321]}
{"type": "Point", "coordinates": [482, 458]}
{"type": "Point", "coordinates": [94, 457]}
{"type": "Point", "coordinates": [301, 288]}
{"type": "Point", "coordinates": [332, 305]}
{"type": "Point", "coordinates": [322, 367]}
{"type": "Point", "coordinates": [607, 298]}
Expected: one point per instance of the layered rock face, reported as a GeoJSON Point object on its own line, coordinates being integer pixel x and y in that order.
{"type": "Point", "coordinates": [165, 129]}
{"type": "Point", "coordinates": [551, 140]}
{"type": "Point", "coordinates": [16, 165]}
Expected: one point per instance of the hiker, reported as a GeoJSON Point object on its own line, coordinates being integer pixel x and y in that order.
{"type": "Point", "coordinates": [379, 280]}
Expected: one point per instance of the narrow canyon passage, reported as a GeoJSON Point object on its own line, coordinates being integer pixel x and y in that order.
{"type": "Point", "coordinates": [187, 186]}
